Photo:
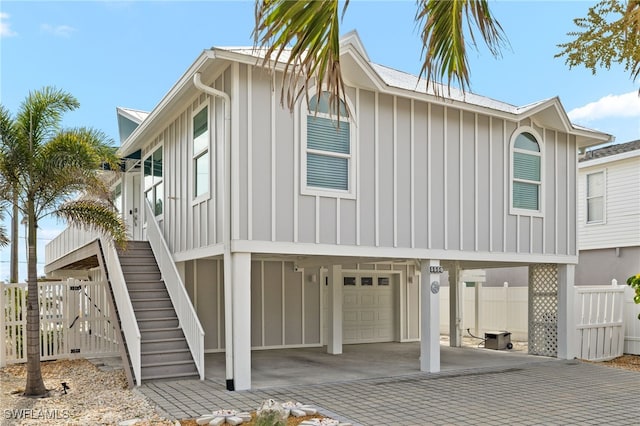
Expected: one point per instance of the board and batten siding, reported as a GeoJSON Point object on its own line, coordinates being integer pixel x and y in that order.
{"type": "Point", "coordinates": [621, 227]}
{"type": "Point", "coordinates": [187, 224]}
{"type": "Point", "coordinates": [285, 304]}
{"type": "Point", "coordinates": [428, 177]}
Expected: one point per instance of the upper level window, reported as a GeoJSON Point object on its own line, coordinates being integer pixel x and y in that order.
{"type": "Point", "coordinates": [200, 152]}
{"type": "Point", "coordinates": [328, 159]}
{"type": "Point", "coordinates": [526, 173]}
{"type": "Point", "coordinates": [153, 181]}
{"type": "Point", "coordinates": [595, 197]}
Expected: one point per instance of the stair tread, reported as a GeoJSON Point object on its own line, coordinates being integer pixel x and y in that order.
{"type": "Point", "coordinates": [164, 351]}
{"type": "Point", "coordinates": [168, 339]}
{"type": "Point", "coordinates": [168, 363]}
{"type": "Point", "coordinates": [158, 319]}
{"type": "Point", "coordinates": [162, 329]}
{"type": "Point", "coordinates": [168, 376]}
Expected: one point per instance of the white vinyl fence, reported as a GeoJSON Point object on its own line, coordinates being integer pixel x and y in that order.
{"type": "Point", "coordinates": [75, 321]}
{"type": "Point", "coordinates": [606, 318]}
{"type": "Point", "coordinates": [487, 309]}
{"type": "Point", "coordinates": [631, 323]}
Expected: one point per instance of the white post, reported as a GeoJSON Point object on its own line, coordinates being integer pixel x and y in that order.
{"type": "Point", "coordinates": [430, 316]}
{"type": "Point", "coordinates": [241, 273]}
{"type": "Point", "coordinates": [456, 297]}
{"type": "Point", "coordinates": [228, 318]}
{"type": "Point", "coordinates": [334, 344]}
{"type": "Point", "coordinates": [566, 315]}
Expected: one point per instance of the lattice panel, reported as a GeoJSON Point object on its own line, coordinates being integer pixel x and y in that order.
{"type": "Point", "coordinates": [543, 310]}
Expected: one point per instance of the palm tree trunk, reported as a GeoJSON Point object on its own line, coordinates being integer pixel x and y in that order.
{"type": "Point", "coordinates": [13, 273]}
{"type": "Point", "coordinates": [35, 385]}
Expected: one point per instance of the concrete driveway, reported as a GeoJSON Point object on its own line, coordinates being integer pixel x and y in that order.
{"type": "Point", "coordinates": [383, 387]}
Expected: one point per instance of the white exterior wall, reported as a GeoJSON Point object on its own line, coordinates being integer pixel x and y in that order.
{"type": "Point", "coordinates": [621, 227]}
{"type": "Point", "coordinates": [285, 304]}
{"type": "Point", "coordinates": [428, 177]}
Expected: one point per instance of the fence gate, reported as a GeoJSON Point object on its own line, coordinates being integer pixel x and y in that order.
{"type": "Point", "coordinates": [75, 321]}
{"type": "Point", "coordinates": [599, 322]}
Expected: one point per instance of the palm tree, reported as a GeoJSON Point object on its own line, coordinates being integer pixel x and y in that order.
{"type": "Point", "coordinates": [310, 29]}
{"type": "Point", "coordinates": [53, 171]}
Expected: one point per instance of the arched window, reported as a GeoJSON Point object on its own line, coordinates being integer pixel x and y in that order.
{"type": "Point", "coordinates": [328, 158]}
{"type": "Point", "coordinates": [526, 173]}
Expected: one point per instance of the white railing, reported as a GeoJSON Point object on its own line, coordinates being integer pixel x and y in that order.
{"type": "Point", "coordinates": [75, 320]}
{"type": "Point", "coordinates": [67, 241]}
{"type": "Point", "coordinates": [187, 316]}
{"type": "Point", "coordinates": [600, 322]}
{"type": "Point", "coordinates": [121, 297]}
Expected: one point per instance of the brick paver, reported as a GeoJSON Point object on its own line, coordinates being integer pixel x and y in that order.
{"type": "Point", "coordinates": [545, 393]}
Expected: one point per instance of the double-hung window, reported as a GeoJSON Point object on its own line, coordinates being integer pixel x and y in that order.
{"type": "Point", "coordinates": [595, 197]}
{"type": "Point", "coordinates": [153, 181]}
{"type": "Point", "coordinates": [328, 159]}
{"type": "Point", "coordinates": [201, 163]}
{"type": "Point", "coordinates": [526, 177]}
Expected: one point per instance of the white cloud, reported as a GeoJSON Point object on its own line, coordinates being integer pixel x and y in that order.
{"type": "Point", "coordinates": [58, 30]}
{"type": "Point", "coordinates": [5, 27]}
{"type": "Point", "coordinates": [624, 105]}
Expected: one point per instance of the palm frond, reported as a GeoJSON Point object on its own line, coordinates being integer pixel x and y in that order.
{"type": "Point", "coordinates": [305, 35]}
{"type": "Point", "coordinates": [4, 237]}
{"type": "Point", "coordinates": [96, 215]}
{"type": "Point", "coordinates": [40, 115]}
{"type": "Point", "coordinates": [443, 26]}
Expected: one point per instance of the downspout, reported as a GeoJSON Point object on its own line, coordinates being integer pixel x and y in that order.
{"type": "Point", "coordinates": [226, 227]}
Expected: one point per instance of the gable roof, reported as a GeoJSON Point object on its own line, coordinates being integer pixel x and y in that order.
{"type": "Point", "coordinates": [359, 71]}
{"type": "Point", "coordinates": [611, 150]}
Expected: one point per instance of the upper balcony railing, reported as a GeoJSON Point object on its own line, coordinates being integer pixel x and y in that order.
{"type": "Point", "coordinates": [68, 241]}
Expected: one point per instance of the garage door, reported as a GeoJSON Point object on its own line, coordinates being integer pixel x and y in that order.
{"type": "Point", "coordinates": [367, 308]}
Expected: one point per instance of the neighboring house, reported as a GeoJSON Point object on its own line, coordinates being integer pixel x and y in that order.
{"type": "Point", "coordinates": [293, 230]}
{"type": "Point", "coordinates": [609, 214]}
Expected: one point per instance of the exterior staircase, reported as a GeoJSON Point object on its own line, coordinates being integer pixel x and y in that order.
{"type": "Point", "coordinates": [164, 349]}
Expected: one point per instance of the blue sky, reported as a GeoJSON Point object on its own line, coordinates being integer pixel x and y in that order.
{"type": "Point", "coordinates": [130, 53]}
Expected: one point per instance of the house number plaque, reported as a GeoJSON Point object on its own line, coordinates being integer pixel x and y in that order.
{"type": "Point", "coordinates": [436, 269]}
{"type": "Point", "coordinates": [435, 287]}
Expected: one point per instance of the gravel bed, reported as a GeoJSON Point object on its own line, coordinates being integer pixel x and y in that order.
{"type": "Point", "coordinates": [94, 397]}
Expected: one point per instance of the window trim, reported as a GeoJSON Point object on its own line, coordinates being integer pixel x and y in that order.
{"type": "Point", "coordinates": [603, 196]}
{"type": "Point", "coordinates": [517, 211]}
{"type": "Point", "coordinates": [197, 199]}
{"type": "Point", "coordinates": [351, 157]}
{"type": "Point", "coordinates": [153, 186]}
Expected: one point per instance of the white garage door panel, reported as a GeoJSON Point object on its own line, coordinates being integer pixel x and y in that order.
{"type": "Point", "coordinates": [368, 310]}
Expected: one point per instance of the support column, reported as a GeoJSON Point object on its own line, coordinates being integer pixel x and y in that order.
{"type": "Point", "coordinates": [566, 315]}
{"type": "Point", "coordinates": [430, 316]}
{"type": "Point", "coordinates": [543, 310]}
{"type": "Point", "coordinates": [241, 273]}
{"type": "Point", "coordinates": [228, 319]}
{"type": "Point", "coordinates": [334, 344]}
{"type": "Point", "coordinates": [455, 307]}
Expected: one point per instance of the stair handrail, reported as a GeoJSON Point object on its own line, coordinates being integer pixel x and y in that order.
{"type": "Point", "coordinates": [129, 324]}
{"type": "Point", "coordinates": [187, 316]}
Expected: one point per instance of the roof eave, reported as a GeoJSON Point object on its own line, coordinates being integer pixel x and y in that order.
{"type": "Point", "coordinates": [135, 139]}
